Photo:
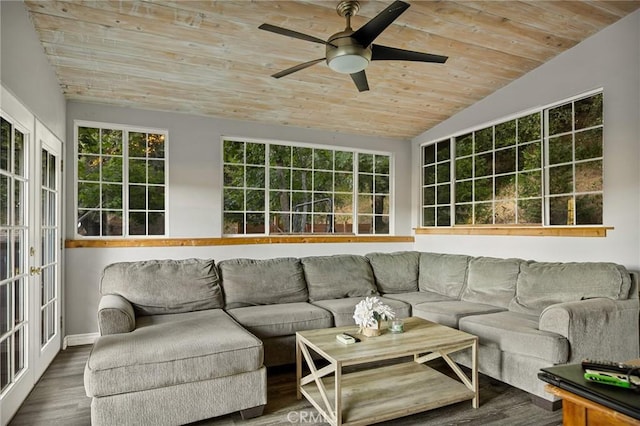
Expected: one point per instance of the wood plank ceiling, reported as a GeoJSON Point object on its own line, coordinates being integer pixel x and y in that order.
{"type": "Point", "coordinates": [209, 57]}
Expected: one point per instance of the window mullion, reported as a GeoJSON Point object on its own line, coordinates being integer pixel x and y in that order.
{"type": "Point", "coordinates": [125, 183]}
{"type": "Point", "coordinates": [267, 190]}
{"type": "Point", "coordinates": [356, 194]}
{"type": "Point", "coordinates": [545, 167]}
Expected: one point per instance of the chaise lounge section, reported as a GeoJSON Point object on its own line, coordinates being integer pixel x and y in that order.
{"type": "Point", "coordinates": [168, 352]}
{"type": "Point", "coordinates": [175, 332]}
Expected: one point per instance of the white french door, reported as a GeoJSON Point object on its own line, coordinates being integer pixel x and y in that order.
{"type": "Point", "coordinates": [45, 254]}
{"type": "Point", "coordinates": [30, 252]}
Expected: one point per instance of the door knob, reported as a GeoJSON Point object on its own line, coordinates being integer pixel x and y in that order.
{"type": "Point", "coordinates": [35, 270]}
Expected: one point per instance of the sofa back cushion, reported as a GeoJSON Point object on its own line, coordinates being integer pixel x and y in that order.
{"type": "Point", "coordinates": [443, 273]}
{"type": "Point", "coordinates": [543, 284]}
{"type": "Point", "coordinates": [395, 272]}
{"type": "Point", "coordinates": [491, 281]}
{"type": "Point", "coordinates": [250, 282]}
{"type": "Point", "coordinates": [335, 277]}
{"type": "Point", "coordinates": [164, 286]}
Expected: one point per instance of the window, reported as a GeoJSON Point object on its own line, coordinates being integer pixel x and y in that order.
{"type": "Point", "coordinates": [574, 162]}
{"type": "Point", "coordinates": [436, 184]}
{"type": "Point", "coordinates": [498, 176]}
{"type": "Point", "coordinates": [121, 181]}
{"type": "Point", "coordinates": [274, 188]}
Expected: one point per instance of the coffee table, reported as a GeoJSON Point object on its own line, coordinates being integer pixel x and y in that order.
{"type": "Point", "coordinates": [376, 391]}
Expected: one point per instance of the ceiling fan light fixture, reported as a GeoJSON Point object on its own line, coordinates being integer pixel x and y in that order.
{"type": "Point", "coordinates": [348, 64]}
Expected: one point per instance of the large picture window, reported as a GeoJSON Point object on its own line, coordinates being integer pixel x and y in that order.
{"type": "Point", "coordinates": [542, 168]}
{"type": "Point", "coordinates": [121, 181]}
{"type": "Point", "coordinates": [277, 188]}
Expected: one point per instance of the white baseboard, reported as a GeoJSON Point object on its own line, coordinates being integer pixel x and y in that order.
{"type": "Point", "coordinates": [79, 339]}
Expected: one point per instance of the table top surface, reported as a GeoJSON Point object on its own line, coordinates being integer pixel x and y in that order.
{"type": "Point", "coordinates": [419, 336]}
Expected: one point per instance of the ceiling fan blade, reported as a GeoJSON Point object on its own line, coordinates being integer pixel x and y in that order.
{"type": "Point", "coordinates": [372, 29]}
{"type": "Point", "coordinates": [384, 53]}
{"type": "Point", "coordinates": [360, 79]}
{"type": "Point", "coordinates": [296, 68]}
{"type": "Point", "coordinates": [291, 33]}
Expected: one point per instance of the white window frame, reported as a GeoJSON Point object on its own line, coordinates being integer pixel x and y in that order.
{"type": "Point", "coordinates": [355, 151]}
{"type": "Point", "coordinates": [544, 111]}
{"type": "Point", "coordinates": [126, 129]}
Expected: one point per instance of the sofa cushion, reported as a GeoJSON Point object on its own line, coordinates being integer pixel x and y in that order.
{"type": "Point", "coordinates": [395, 272]}
{"type": "Point", "coordinates": [416, 297]}
{"type": "Point", "coordinates": [164, 286]}
{"type": "Point", "coordinates": [543, 284]}
{"type": "Point", "coordinates": [335, 277]}
{"type": "Point", "coordinates": [343, 309]}
{"type": "Point", "coordinates": [443, 273]}
{"type": "Point", "coordinates": [281, 319]}
{"type": "Point", "coordinates": [166, 350]}
{"type": "Point", "coordinates": [250, 282]}
{"type": "Point", "coordinates": [491, 281]}
{"type": "Point", "coordinates": [449, 312]}
{"type": "Point", "coordinates": [517, 333]}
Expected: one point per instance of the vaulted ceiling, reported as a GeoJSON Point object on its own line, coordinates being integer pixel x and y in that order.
{"type": "Point", "coordinates": [209, 57]}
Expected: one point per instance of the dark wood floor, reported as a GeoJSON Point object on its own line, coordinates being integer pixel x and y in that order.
{"type": "Point", "coordinates": [59, 399]}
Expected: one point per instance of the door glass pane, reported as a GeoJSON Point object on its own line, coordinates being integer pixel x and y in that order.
{"type": "Point", "coordinates": [19, 352]}
{"type": "Point", "coordinates": [5, 301]}
{"type": "Point", "coordinates": [52, 321]}
{"type": "Point", "coordinates": [51, 211]}
{"type": "Point", "coordinates": [18, 154]}
{"type": "Point", "coordinates": [18, 245]}
{"type": "Point", "coordinates": [18, 305]}
{"type": "Point", "coordinates": [43, 328]}
{"type": "Point", "coordinates": [5, 351]}
{"type": "Point", "coordinates": [52, 173]}
{"type": "Point", "coordinates": [18, 203]}
{"type": "Point", "coordinates": [4, 200]}
{"type": "Point", "coordinates": [44, 176]}
{"type": "Point", "coordinates": [5, 137]}
{"type": "Point", "coordinates": [51, 282]}
{"type": "Point", "coordinates": [5, 266]}
{"type": "Point", "coordinates": [5, 146]}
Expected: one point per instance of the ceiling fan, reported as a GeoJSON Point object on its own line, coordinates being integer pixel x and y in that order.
{"type": "Point", "coordinates": [349, 51]}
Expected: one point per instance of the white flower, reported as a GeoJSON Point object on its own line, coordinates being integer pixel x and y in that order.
{"type": "Point", "coordinates": [370, 310]}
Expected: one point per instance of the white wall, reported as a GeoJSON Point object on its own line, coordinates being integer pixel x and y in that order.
{"type": "Point", "coordinates": [195, 200]}
{"type": "Point", "coordinates": [25, 70]}
{"type": "Point", "coordinates": [610, 59]}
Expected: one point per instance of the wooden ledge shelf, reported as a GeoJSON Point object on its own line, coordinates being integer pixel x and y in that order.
{"type": "Point", "coordinates": [527, 231]}
{"type": "Point", "coordinates": [231, 241]}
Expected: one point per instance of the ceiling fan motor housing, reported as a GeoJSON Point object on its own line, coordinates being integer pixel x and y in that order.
{"type": "Point", "coordinates": [348, 56]}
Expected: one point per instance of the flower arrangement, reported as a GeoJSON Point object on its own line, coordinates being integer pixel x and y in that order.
{"type": "Point", "coordinates": [370, 311]}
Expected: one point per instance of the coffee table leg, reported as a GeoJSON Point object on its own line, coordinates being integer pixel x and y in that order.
{"type": "Point", "coordinates": [474, 374]}
{"type": "Point", "coordinates": [298, 368]}
{"type": "Point", "coordinates": [470, 382]}
{"type": "Point", "coordinates": [338, 390]}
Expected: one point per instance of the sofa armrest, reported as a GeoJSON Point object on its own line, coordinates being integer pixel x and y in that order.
{"type": "Point", "coordinates": [115, 315]}
{"type": "Point", "coordinates": [598, 328]}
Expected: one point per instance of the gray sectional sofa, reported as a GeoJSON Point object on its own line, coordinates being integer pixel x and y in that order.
{"type": "Point", "coordinates": [185, 340]}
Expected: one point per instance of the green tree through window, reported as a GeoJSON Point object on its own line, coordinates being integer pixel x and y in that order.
{"type": "Point", "coordinates": [271, 188]}
{"type": "Point", "coordinates": [499, 177]}
{"type": "Point", "coordinates": [120, 181]}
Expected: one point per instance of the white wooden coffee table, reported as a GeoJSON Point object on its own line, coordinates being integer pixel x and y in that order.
{"type": "Point", "coordinates": [383, 391]}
